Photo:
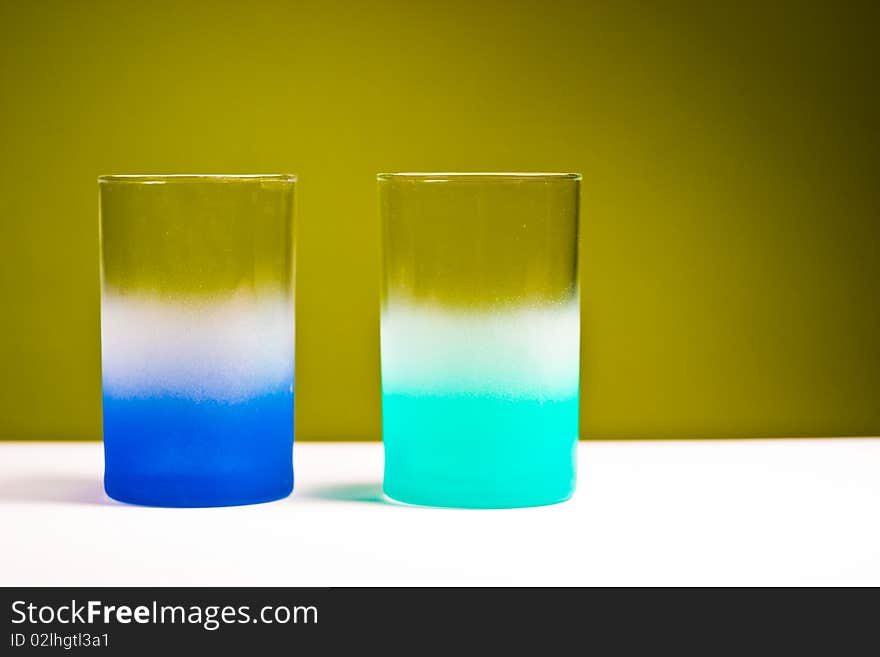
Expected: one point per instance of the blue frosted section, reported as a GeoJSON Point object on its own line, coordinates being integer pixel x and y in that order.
{"type": "Point", "coordinates": [479, 451]}
{"type": "Point", "coordinates": [171, 451]}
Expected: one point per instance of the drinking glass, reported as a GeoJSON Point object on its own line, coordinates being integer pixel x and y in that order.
{"type": "Point", "coordinates": [197, 333]}
{"type": "Point", "coordinates": [480, 337]}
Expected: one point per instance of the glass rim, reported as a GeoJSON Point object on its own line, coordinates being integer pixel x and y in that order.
{"type": "Point", "coordinates": [207, 177]}
{"type": "Point", "coordinates": [477, 176]}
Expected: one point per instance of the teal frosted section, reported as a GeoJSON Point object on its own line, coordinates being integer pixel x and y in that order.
{"type": "Point", "coordinates": [479, 451]}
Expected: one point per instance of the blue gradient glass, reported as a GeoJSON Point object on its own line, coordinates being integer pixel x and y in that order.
{"type": "Point", "coordinates": [197, 324]}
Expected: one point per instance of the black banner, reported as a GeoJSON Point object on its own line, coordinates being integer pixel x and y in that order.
{"type": "Point", "coordinates": [324, 621]}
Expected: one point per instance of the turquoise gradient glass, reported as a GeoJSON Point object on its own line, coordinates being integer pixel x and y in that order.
{"type": "Point", "coordinates": [480, 338]}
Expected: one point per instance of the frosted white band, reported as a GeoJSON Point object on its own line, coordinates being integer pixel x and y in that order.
{"type": "Point", "coordinates": [230, 350]}
{"type": "Point", "coordinates": [532, 352]}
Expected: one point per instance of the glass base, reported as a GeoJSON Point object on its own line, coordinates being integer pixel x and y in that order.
{"type": "Point", "coordinates": [187, 491]}
{"type": "Point", "coordinates": [459, 499]}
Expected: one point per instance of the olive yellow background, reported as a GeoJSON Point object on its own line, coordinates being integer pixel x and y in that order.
{"type": "Point", "coordinates": [730, 237]}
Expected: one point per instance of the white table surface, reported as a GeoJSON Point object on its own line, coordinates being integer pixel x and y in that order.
{"type": "Point", "coordinates": [751, 512]}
